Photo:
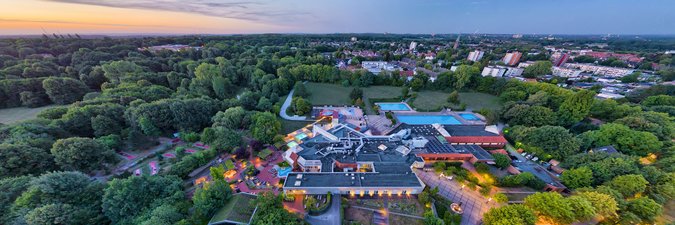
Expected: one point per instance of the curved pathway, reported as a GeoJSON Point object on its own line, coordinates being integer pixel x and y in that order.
{"type": "Point", "coordinates": [285, 106]}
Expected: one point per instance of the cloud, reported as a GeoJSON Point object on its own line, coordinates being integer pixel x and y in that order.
{"type": "Point", "coordinates": [252, 10]}
{"type": "Point", "coordinates": [77, 23]}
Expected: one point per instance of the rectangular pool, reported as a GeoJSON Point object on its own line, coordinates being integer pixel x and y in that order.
{"type": "Point", "coordinates": [393, 106]}
{"type": "Point", "coordinates": [428, 119]}
{"type": "Point", "coordinates": [468, 116]}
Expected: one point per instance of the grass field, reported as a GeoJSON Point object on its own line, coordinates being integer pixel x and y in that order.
{"type": "Point", "coordinates": [328, 94]}
{"type": "Point", "coordinates": [288, 126]}
{"type": "Point", "coordinates": [334, 94]}
{"type": "Point", "coordinates": [434, 100]}
{"type": "Point", "coordinates": [477, 100]}
{"type": "Point", "coordinates": [12, 115]}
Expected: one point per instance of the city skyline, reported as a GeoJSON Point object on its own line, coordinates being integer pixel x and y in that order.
{"type": "Point", "coordinates": [304, 16]}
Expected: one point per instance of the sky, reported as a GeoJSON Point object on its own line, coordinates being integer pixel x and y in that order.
{"type": "Point", "coordinates": [337, 16]}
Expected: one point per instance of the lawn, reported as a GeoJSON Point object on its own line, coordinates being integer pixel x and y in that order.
{"type": "Point", "coordinates": [334, 94]}
{"type": "Point", "coordinates": [430, 100]}
{"type": "Point", "coordinates": [435, 100]}
{"type": "Point", "coordinates": [328, 94]}
{"type": "Point", "coordinates": [12, 115]}
{"type": "Point", "coordinates": [404, 220]}
{"type": "Point", "coordinates": [477, 100]}
{"type": "Point", "coordinates": [239, 208]}
{"type": "Point", "coordinates": [288, 126]}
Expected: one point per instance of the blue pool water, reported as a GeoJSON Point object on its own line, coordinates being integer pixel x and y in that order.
{"type": "Point", "coordinates": [393, 107]}
{"type": "Point", "coordinates": [428, 119]}
{"type": "Point", "coordinates": [468, 116]}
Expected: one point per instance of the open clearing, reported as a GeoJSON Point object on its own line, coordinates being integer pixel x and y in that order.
{"type": "Point", "coordinates": [12, 115]}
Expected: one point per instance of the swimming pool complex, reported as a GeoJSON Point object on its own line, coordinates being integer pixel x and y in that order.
{"type": "Point", "coordinates": [469, 116]}
{"type": "Point", "coordinates": [428, 119]}
{"type": "Point", "coordinates": [394, 107]}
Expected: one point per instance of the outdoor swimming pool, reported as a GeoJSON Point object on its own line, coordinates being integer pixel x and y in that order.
{"type": "Point", "coordinates": [469, 116]}
{"type": "Point", "coordinates": [393, 106]}
{"type": "Point", "coordinates": [428, 119]}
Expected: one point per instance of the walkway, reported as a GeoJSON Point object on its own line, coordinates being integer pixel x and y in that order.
{"type": "Point", "coordinates": [390, 212]}
{"type": "Point", "coordinates": [285, 106]}
{"type": "Point", "coordinates": [474, 204]}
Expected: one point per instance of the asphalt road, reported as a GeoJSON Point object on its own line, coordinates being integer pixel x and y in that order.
{"type": "Point", "coordinates": [331, 217]}
{"type": "Point", "coordinates": [473, 203]}
{"type": "Point", "coordinates": [285, 106]}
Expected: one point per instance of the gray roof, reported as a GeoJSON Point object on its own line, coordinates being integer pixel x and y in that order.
{"type": "Point", "coordinates": [353, 180]}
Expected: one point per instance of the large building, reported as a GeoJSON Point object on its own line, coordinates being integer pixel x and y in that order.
{"type": "Point", "coordinates": [600, 70]}
{"type": "Point", "coordinates": [511, 59]}
{"type": "Point", "coordinates": [501, 71]}
{"type": "Point", "coordinates": [413, 45]}
{"type": "Point", "coordinates": [560, 59]}
{"type": "Point", "coordinates": [337, 158]}
{"type": "Point", "coordinates": [376, 67]}
{"type": "Point", "coordinates": [565, 72]}
{"type": "Point", "coordinates": [475, 56]}
{"type": "Point", "coordinates": [493, 71]}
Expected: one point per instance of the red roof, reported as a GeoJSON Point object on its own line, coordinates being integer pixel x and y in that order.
{"type": "Point", "coordinates": [476, 139]}
{"type": "Point", "coordinates": [407, 73]}
{"type": "Point", "coordinates": [294, 156]}
{"type": "Point", "coordinates": [499, 151]}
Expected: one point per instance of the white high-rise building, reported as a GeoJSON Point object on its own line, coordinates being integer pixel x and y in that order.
{"type": "Point", "coordinates": [413, 45]}
{"type": "Point", "coordinates": [475, 56]}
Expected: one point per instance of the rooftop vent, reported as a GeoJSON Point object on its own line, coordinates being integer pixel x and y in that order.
{"type": "Point", "coordinates": [299, 176]}
{"type": "Point", "coordinates": [297, 183]}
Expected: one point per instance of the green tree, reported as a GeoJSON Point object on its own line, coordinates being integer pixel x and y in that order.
{"type": "Point", "coordinates": [64, 90]}
{"type": "Point", "coordinates": [577, 178]}
{"type": "Point", "coordinates": [501, 160]}
{"type": "Point", "coordinates": [629, 185]}
{"type": "Point", "coordinates": [529, 115]}
{"type": "Point", "coordinates": [84, 154]}
{"type": "Point", "coordinates": [453, 97]}
{"type": "Point", "coordinates": [56, 214]}
{"type": "Point", "coordinates": [124, 199]}
{"type": "Point", "coordinates": [645, 208]}
{"type": "Point", "coordinates": [233, 118]}
{"type": "Point", "coordinates": [501, 198]}
{"type": "Point", "coordinates": [356, 93]}
{"type": "Point", "coordinates": [265, 126]}
{"type": "Point", "coordinates": [211, 197]}
{"type": "Point", "coordinates": [118, 70]}
{"type": "Point", "coordinates": [623, 138]}
{"type": "Point", "coordinates": [582, 208]}
{"type": "Point", "coordinates": [537, 69]}
{"type": "Point", "coordinates": [270, 211]}
{"type": "Point", "coordinates": [575, 108]}
{"type": "Point", "coordinates": [301, 106]}
{"type": "Point", "coordinates": [552, 206]}
{"type": "Point", "coordinates": [554, 140]}
{"type": "Point", "coordinates": [631, 78]}
{"type": "Point", "coordinates": [221, 138]}
{"type": "Point", "coordinates": [164, 214]}
{"type": "Point", "coordinates": [430, 219]}
{"type": "Point", "coordinates": [510, 215]}
{"type": "Point", "coordinates": [300, 90]}
{"type": "Point", "coordinates": [604, 204]}
{"type": "Point", "coordinates": [463, 75]}
{"type": "Point", "coordinates": [22, 159]}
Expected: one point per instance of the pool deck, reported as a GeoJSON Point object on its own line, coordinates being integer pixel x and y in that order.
{"type": "Point", "coordinates": [446, 112]}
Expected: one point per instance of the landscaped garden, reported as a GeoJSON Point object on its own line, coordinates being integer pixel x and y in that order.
{"type": "Point", "coordinates": [238, 209]}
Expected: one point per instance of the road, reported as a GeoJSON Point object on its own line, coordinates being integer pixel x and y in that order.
{"type": "Point", "coordinates": [331, 217]}
{"type": "Point", "coordinates": [285, 106]}
{"type": "Point", "coordinates": [473, 203]}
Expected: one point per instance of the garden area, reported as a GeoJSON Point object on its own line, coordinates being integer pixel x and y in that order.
{"type": "Point", "coordinates": [409, 206]}
{"type": "Point", "coordinates": [238, 209]}
{"type": "Point", "coordinates": [317, 204]}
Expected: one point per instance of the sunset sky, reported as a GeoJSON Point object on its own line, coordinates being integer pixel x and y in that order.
{"type": "Point", "coordinates": [333, 16]}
